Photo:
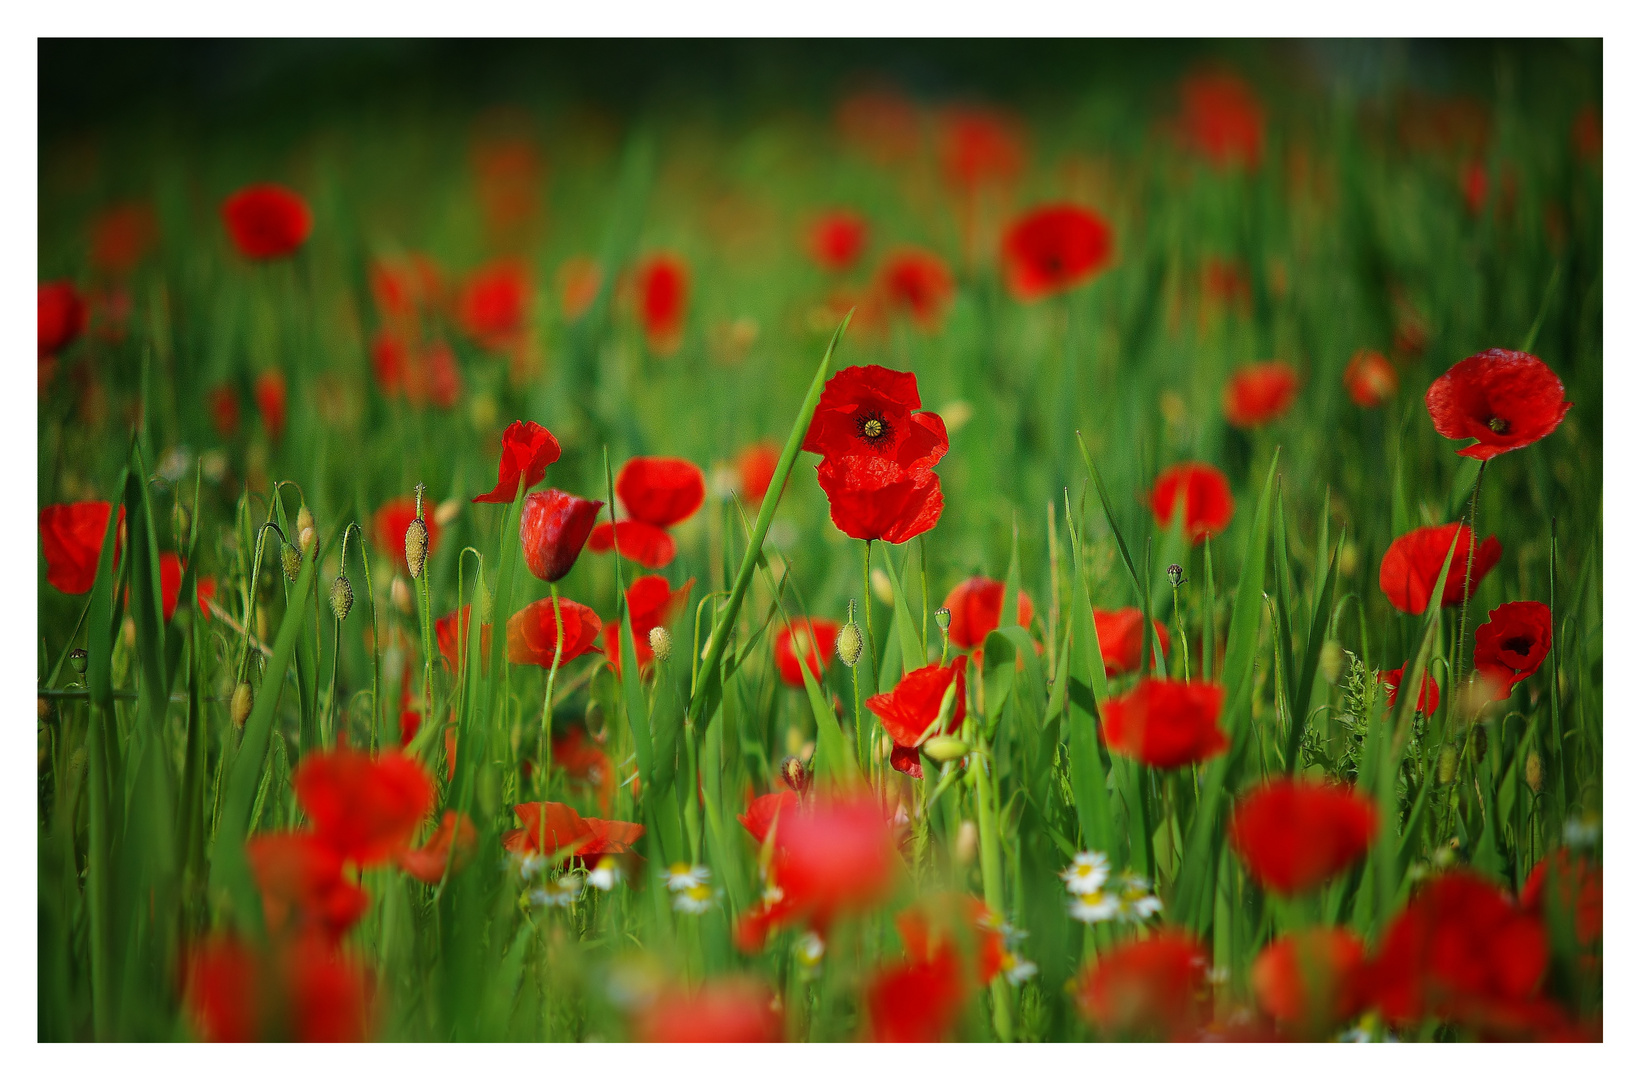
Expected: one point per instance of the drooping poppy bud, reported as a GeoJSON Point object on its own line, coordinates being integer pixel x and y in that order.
{"type": "Point", "coordinates": [290, 560]}
{"type": "Point", "coordinates": [553, 528]}
{"type": "Point", "coordinates": [240, 707]}
{"type": "Point", "coordinates": [80, 659]}
{"type": "Point", "coordinates": [341, 596]}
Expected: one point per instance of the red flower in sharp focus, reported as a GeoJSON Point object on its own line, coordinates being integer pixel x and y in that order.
{"type": "Point", "coordinates": [71, 538]}
{"type": "Point", "coordinates": [909, 712]}
{"type": "Point", "coordinates": [1429, 695]}
{"type": "Point", "coordinates": [553, 528]}
{"type": "Point", "coordinates": [1311, 980]}
{"type": "Point", "coordinates": [1502, 398]}
{"type": "Point", "coordinates": [532, 632]}
{"type": "Point", "coordinates": [1222, 119]}
{"type": "Point", "coordinates": [755, 467]}
{"type": "Point", "coordinates": [1579, 889]}
{"type": "Point", "coordinates": [976, 610]}
{"type": "Point", "coordinates": [266, 221]}
{"type": "Point", "coordinates": [1295, 834]}
{"type": "Point", "coordinates": [660, 491]}
{"type": "Point", "coordinates": [428, 862]}
{"type": "Point", "coordinates": [662, 286]}
{"type": "Point", "coordinates": [918, 283]}
{"type": "Point", "coordinates": [1370, 379]}
{"type": "Point", "coordinates": [269, 391]}
{"type": "Point", "coordinates": [766, 811]}
{"type": "Point", "coordinates": [451, 632]}
{"type": "Point", "coordinates": [837, 240]}
{"type": "Point", "coordinates": [650, 602]}
{"type": "Point", "coordinates": [649, 547]}
{"type": "Point", "coordinates": [527, 449]}
{"type": "Point", "coordinates": [1208, 506]}
{"type": "Point", "coordinates": [494, 304]}
{"type": "Point", "coordinates": [62, 316]}
{"type": "Point", "coordinates": [1121, 639]}
{"type": "Point", "coordinates": [1149, 989]}
{"type": "Point", "coordinates": [390, 523]}
{"type": "Point", "coordinates": [834, 856]}
{"type": "Point", "coordinates": [815, 638]}
{"type": "Point", "coordinates": [1513, 643]}
{"type": "Point", "coordinates": [364, 808]}
{"type": "Point", "coordinates": [916, 1001]}
{"type": "Point", "coordinates": [302, 885]}
{"type": "Point", "coordinates": [1413, 562]}
{"type": "Point", "coordinates": [1166, 723]}
{"type": "Point", "coordinates": [728, 1009]}
{"type": "Point", "coordinates": [1055, 248]}
{"type": "Point", "coordinates": [1259, 393]}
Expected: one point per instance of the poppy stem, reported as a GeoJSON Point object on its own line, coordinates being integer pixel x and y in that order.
{"type": "Point", "coordinates": [545, 754]}
{"type": "Point", "coordinates": [1178, 626]}
{"type": "Point", "coordinates": [871, 637]}
{"type": "Point", "coordinates": [1468, 571]}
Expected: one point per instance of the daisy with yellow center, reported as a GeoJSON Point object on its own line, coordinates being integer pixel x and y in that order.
{"type": "Point", "coordinates": [561, 891]}
{"type": "Point", "coordinates": [605, 875]}
{"type": "Point", "coordinates": [697, 899]}
{"type": "Point", "coordinates": [681, 877]}
{"type": "Point", "coordinates": [1087, 873]}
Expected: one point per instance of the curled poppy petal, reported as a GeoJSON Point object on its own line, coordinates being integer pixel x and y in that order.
{"type": "Point", "coordinates": [1429, 695]}
{"type": "Point", "coordinates": [71, 538]}
{"type": "Point", "coordinates": [1208, 506]}
{"type": "Point", "coordinates": [302, 885]}
{"type": "Point", "coordinates": [1259, 393]}
{"type": "Point", "coordinates": [1121, 639]}
{"type": "Point", "coordinates": [365, 808]}
{"type": "Point", "coordinates": [649, 547]}
{"type": "Point", "coordinates": [909, 712]}
{"type": "Point", "coordinates": [1055, 248]}
{"type": "Point", "coordinates": [1513, 643]}
{"type": "Point", "coordinates": [763, 812]}
{"type": "Point", "coordinates": [650, 602]}
{"type": "Point", "coordinates": [1503, 399]}
{"type": "Point", "coordinates": [1413, 562]}
{"type": "Point", "coordinates": [976, 610]}
{"type": "Point", "coordinates": [1295, 834]}
{"type": "Point", "coordinates": [266, 221]}
{"type": "Point", "coordinates": [554, 527]}
{"type": "Point", "coordinates": [1166, 723]}
{"type": "Point", "coordinates": [814, 638]}
{"type": "Point", "coordinates": [532, 632]}
{"type": "Point", "coordinates": [661, 491]}
{"type": "Point", "coordinates": [428, 863]}
{"type": "Point", "coordinates": [527, 449]}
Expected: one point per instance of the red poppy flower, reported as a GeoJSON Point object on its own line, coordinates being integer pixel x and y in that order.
{"type": "Point", "coordinates": [170, 583]}
{"type": "Point", "coordinates": [527, 449]}
{"type": "Point", "coordinates": [442, 376]}
{"type": "Point", "coordinates": [1208, 506]}
{"type": "Point", "coordinates": [62, 316]}
{"type": "Point", "coordinates": [306, 992]}
{"type": "Point", "coordinates": [1461, 951]}
{"type": "Point", "coordinates": [428, 862]}
{"type": "Point", "coordinates": [1474, 183]}
{"type": "Point", "coordinates": [661, 491]}
{"type": "Point", "coordinates": [404, 287]}
{"type": "Point", "coordinates": [1513, 643]}
{"type": "Point", "coordinates": [269, 391]}
{"type": "Point", "coordinates": [223, 403]}
{"type": "Point", "coordinates": [585, 762]}
{"type": "Point", "coordinates": [662, 286]}
{"type": "Point", "coordinates": [221, 987]}
{"type": "Point", "coordinates": [365, 808]}
{"type": "Point", "coordinates": [451, 632]}
{"type": "Point", "coordinates": [1295, 834]}
{"type": "Point", "coordinates": [917, 283]}
{"type": "Point", "coordinates": [755, 467]}
{"type": "Point", "coordinates": [1150, 988]}
{"type": "Point", "coordinates": [650, 602]}
{"type": "Point", "coordinates": [1222, 119]}
{"type": "Point", "coordinates": [1165, 723]}
{"type": "Point", "coordinates": [494, 303]}
{"type": "Point", "coordinates": [1259, 393]}
{"type": "Point", "coordinates": [727, 1009]}
{"type": "Point", "coordinates": [1429, 695]}
{"type": "Point", "coordinates": [266, 221]}
{"type": "Point", "coordinates": [837, 240]}
{"type": "Point", "coordinates": [979, 146]}
{"type": "Point", "coordinates": [763, 812]}
{"type": "Point", "coordinates": [1413, 562]}
{"type": "Point", "coordinates": [649, 547]}
{"type": "Point", "coordinates": [389, 360]}
{"type": "Point", "coordinates": [834, 857]}
{"type": "Point", "coordinates": [1370, 379]}
{"type": "Point", "coordinates": [1581, 891]}
{"type": "Point", "coordinates": [1504, 399]}
{"type": "Point", "coordinates": [302, 885]}
{"type": "Point", "coordinates": [553, 528]}
{"type": "Point", "coordinates": [1055, 248]}
{"type": "Point", "coordinates": [954, 924]}
{"type": "Point", "coordinates": [71, 538]}
{"type": "Point", "coordinates": [916, 1001]}
{"type": "Point", "coordinates": [816, 638]}
{"type": "Point", "coordinates": [120, 237]}
{"type": "Point", "coordinates": [532, 632]}
{"type": "Point", "coordinates": [976, 610]}
{"type": "Point", "coordinates": [1121, 639]}
{"type": "Point", "coordinates": [204, 593]}
{"type": "Point", "coordinates": [578, 282]}
{"type": "Point", "coordinates": [1311, 979]}
{"type": "Point", "coordinates": [894, 512]}
{"type": "Point", "coordinates": [1586, 133]}
{"type": "Point", "coordinates": [391, 522]}
{"type": "Point", "coordinates": [548, 827]}
{"type": "Point", "coordinates": [909, 712]}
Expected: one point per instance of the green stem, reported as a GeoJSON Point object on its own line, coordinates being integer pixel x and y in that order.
{"type": "Point", "coordinates": [990, 868]}
{"type": "Point", "coordinates": [546, 699]}
{"type": "Point", "coordinates": [1468, 574]}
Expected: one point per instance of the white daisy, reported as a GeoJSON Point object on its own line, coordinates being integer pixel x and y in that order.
{"type": "Point", "coordinates": [681, 877]}
{"type": "Point", "coordinates": [605, 875]}
{"type": "Point", "coordinates": [1094, 907]}
{"type": "Point", "coordinates": [696, 899]}
{"type": "Point", "coordinates": [561, 891]}
{"type": "Point", "coordinates": [1087, 873]}
{"type": "Point", "coordinates": [811, 949]}
{"type": "Point", "coordinates": [1016, 968]}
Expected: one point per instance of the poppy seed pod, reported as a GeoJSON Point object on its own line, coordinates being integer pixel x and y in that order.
{"type": "Point", "coordinates": [850, 643]}
{"type": "Point", "coordinates": [341, 596]}
{"type": "Point", "coordinates": [1534, 771]}
{"type": "Point", "coordinates": [660, 643]}
{"type": "Point", "coordinates": [944, 748]}
{"type": "Point", "coordinates": [942, 619]}
{"type": "Point", "coordinates": [795, 775]}
{"type": "Point", "coordinates": [1175, 575]}
{"type": "Point", "coordinates": [80, 659]}
{"type": "Point", "coordinates": [415, 546]}
{"type": "Point", "coordinates": [240, 707]}
{"type": "Point", "coordinates": [291, 560]}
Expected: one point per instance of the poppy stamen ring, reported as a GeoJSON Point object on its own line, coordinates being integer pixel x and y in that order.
{"type": "Point", "coordinates": [873, 428]}
{"type": "Point", "coordinates": [1499, 425]}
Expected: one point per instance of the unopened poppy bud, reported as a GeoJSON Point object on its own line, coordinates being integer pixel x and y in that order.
{"type": "Point", "coordinates": [795, 775]}
{"type": "Point", "coordinates": [850, 643]}
{"type": "Point", "coordinates": [1534, 772]}
{"type": "Point", "coordinates": [1348, 559]}
{"type": "Point", "coordinates": [1332, 661]}
{"type": "Point", "coordinates": [291, 560]}
{"type": "Point", "coordinates": [660, 643]}
{"type": "Point", "coordinates": [304, 520]}
{"type": "Point", "coordinates": [945, 748]}
{"type": "Point", "coordinates": [415, 547]}
{"type": "Point", "coordinates": [400, 593]}
{"type": "Point", "coordinates": [341, 596]}
{"type": "Point", "coordinates": [942, 619]}
{"type": "Point", "coordinates": [240, 707]}
{"type": "Point", "coordinates": [1447, 767]}
{"type": "Point", "coordinates": [881, 588]}
{"type": "Point", "coordinates": [1175, 575]}
{"type": "Point", "coordinates": [967, 843]}
{"type": "Point", "coordinates": [80, 659]}
{"type": "Point", "coordinates": [308, 542]}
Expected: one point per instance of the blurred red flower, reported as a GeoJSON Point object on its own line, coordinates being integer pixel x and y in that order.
{"type": "Point", "coordinates": [441, 376]}
{"type": "Point", "coordinates": [1121, 639]}
{"type": "Point", "coordinates": [170, 583]}
{"type": "Point", "coordinates": [1580, 889]}
{"type": "Point", "coordinates": [881, 123]}
{"type": "Point", "coordinates": [834, 857]}
{"type": "Point", "coordinates": [1055, 248]}
{"type": "Point", "coordinates": [390, 524]}
{"type": "Point", "coordinates": [305, 992]}
{"type": "Point", "coordinates": [755, 466]}
{"type": "Point", "coordinates": [815, 637]}
{"type": "Point", "coordinates": [917, 283]}
{"type": "Point", "coordinates": [649, 547]}
{"type": "Point", "coordinates": [532, 632]}
{"type": "Point", "coordinates": [1208, 506]}
{"type": "Point", "coordinates": [266, 221]}
{"type": "Point", "coordinates": [976, 610]}
{"type": "Point", "coordinates": [660, 491]}
{"type": "Point", "coordinates": [955, 925]}
{"type": "Point", "coordinates": [1429, 695]}
{"type": "Point", "coordinates": [1502, 398]}
{"type": "Point", "coordinates": [837, 240]}
{"type": "Point", "coordinates": [62, 316]}
{"type": "Point", "coordinates": [1146, 989]}
{"type": "Point", "coordinates": [1474, 180]}
{"type": "Point", "coordinates": [910, 710]}
{"type": "Point", "coordinates": [364, 808]}
{"type": "Point", "coordinates": [269, 391]}
{"type": "Point", "coordinates": [579, 280]}
{"type": "Point", "coordinates": [493, 305]}
{"type": "Point", "coordinates": [661, 283]}
{"type": "Point", "coordinates": [1586, 133]}
{"type": "Point", "coordinates": [979, 146]}
{"type": "Point", "coordinates": [1310, 980]}
{"type": "Point", "coordinates": [585, 762]}
{"type": "Point", "coordinates": [451, 632]}
{"type": "Point", "coordinates": [1165, 723]}
{"type": "Point", "coordinates": [405, 287]}
{"type": "Point", "coordinates": [1413, 562]}
{"type": "Point", "coordinates": [764, 812]}
{"type": "Point", "coordinates": [121, 236]}
{"type": "Point", "coordinates": [548, 827]}
{"type": "Point", "coordinates": [222, 401]}
{"type": "Point", "coordinates": [553, 528]}
{"type": "Point", "coordinates": [650, 602]}
{"type": "Point", "coordinates": [725, 1009]}
{"type": "Point", "coordinates": [71, 538]}
{"type": "Point", "coordinates": [302, 885]}
{"type": "Point", "coordinates": [428, 862]}
{"type": "Point", "coordinates": [1222, 119]}
{"type": "Point", "coordinates": [1513, 643]}
{"type": "Point", "coordinates": [1259, 393]}
{"type": "Point", "coordinates": [390, 361]}
{"type": "Point", "coordinates": [916, 1001]}
{"type": "Point", "coordinates": [204, 593]}
{"type": "Point", "coordinates": [1370, 379]}
{"type": "Point", "coordinates": [1294, 834]}
{"type": "Point", "coordinates": [527, 449]}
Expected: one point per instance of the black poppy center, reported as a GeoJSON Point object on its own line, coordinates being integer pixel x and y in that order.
{"type": "Point", "coordinates": [873, 428]}
{"type": "Point", "coordinates": [1499, 425]}
{"type": "Point", "coordinates": [1521, 645]}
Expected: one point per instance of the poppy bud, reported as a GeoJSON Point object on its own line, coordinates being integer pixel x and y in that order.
{"type": "Point", "coordinates": [881, 588]}
{"type": "Point", "coordinates": [42, 708]}
{"type": "Point", "coordinates": [307, 541]}
{"type": "Point", "coordinates": [1534, 772]}
{"type": "Point", "coordinates": [304, 522]}
{"type": "Point", "coordinates": [240, 707]}
{"type": "Point", "coordinates": [80, 659]}
{"type": "Point", "coordinates": [1447, 766]}
{"type": "Point", "coordinates": [795, 775]}
{"type": "Point", "coordinates": [128, 632]}
{"type": "Point", "coordinates": [660, 643]}
{"type": "Point", "coordinates": [401, 596]}
{"type": "Point", "coordinates": [1175, 575]}
{"type": "Point", "coordinates": [415, 546]}
{"type": "Point", "coordinates": [341, 596]}
{"type": "Point", "coordinates": [447, 511]}
{"type": "Point", "coordinates": [945, 748]}
{"type": "Point", "coordinates": [942, 619]}
{"type": "Point", "coordinates": [291, 560]}
{"type": "Point", "coordinates": [1332, 661]}
{"type": "Point", "coordinates": [850, 643]}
